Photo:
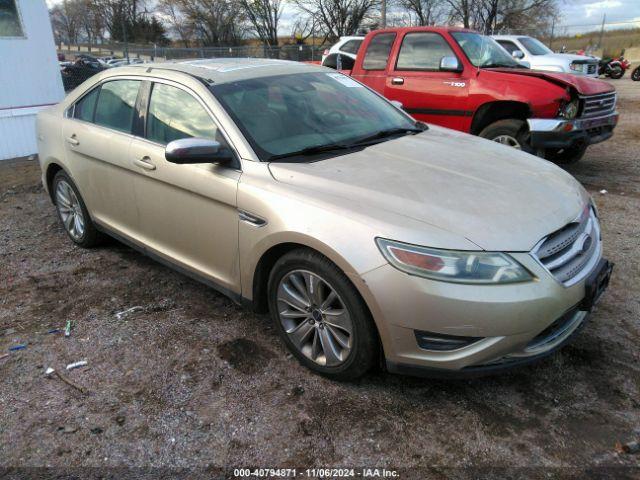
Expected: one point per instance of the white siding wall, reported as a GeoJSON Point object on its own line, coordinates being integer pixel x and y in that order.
{"type": "Point", "coordinates": [29, 79]}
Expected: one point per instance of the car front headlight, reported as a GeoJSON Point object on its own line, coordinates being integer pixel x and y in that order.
{"type": "Point", "coordinates": [576, 67]}
{"type": "Point", "coordinates": [570, 109]}
{"type": "Point", "coordinates": [452, 265]}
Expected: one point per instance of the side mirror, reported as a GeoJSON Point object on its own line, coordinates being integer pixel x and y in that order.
{"type": "Point", "coordinates": [517, 54]}
{"type": "Point", "coordinates": [396, 104]}
{"type": "Point", "coordinates": [196, 150]}
{"type": "Point", "coordinates": [450, 64]}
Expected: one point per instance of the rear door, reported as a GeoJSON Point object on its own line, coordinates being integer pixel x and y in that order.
{"type": "Point", "coordinates": [188, 213]}
{"type": "Point", "coordinates": [376, 61]}
{"type": "Point", "coordinates": [97, 133]}
{"type": "Point", "coordinates": [426, 92]}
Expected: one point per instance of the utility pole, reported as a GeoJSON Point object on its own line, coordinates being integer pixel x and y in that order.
{"type": "Point", "coordinates": [604, 18]}
{"type": "Point", "coordinates": [124, 35]}
{"type": "Point", "coordinates": [553, 27]}
{"type": "Point", "coordinates": [383, 14]}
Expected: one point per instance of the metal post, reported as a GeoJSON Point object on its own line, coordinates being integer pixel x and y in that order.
{"type": "Point", "coordinates": [383, 14]}
{"type": "Point", "coordinates": [124, 35]}
{"type": "Point", "coordinates": [604, 18]}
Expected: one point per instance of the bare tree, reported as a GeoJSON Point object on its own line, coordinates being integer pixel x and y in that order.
{"type": "Point", "coordinates": [177, 21]}
{"type": "Point", "coordinates": [339, 17]}
{"type": "Point", "coordinates": [264, 16]}
{"type": "Point", "coordinates": [426, 12]}
{"type": "Point", "coordinates": [66, 19]}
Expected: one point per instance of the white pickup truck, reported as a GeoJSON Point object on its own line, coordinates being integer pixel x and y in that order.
{"type": "Point", "coordinates": [540, 57]}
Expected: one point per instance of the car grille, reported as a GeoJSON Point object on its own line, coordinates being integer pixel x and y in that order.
{"type": "Point", "coordinates": [597, 105]}
{"type": "Point", "coordinates": [591, 68]}
{"type": "Point", "coordinates": [571, 252]}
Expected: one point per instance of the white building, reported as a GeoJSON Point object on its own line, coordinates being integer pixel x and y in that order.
{"type": "Point", "coordinates": [29, 73]}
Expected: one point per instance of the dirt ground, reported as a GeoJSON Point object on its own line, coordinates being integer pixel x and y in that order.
{"type": "Point", "coordinates": [193, 381]}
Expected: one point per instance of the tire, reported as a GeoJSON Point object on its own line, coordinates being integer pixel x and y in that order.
{"type": "Point", "coordinates": [511, 132]}
{"type": "Point", "coordinates": [616, 73]}
{"type": "Point", "coordinates": [635, 75]}
{"type": "Point", "coordinates": [70, 206]}
{"type": "Point", "coordinates": [566, 156]}
{"type": "Point", "coordinates": [340, 347]}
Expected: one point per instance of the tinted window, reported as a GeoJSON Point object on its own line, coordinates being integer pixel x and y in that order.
{"type": "Point", "coordinates": [351, 46]}
{"type": "Point", "coordinates": [508, 46]}
{"type": "Point", "coordinates": [423, 51]}
{"type": "Point", "coordinates": [535, 47]}
{"type": "Point", "coordinates": [9, 19]}
{"type": "Point", "coordinates": [346, 62]}
{"type": "Point", "coordinates": [175, 114]}
{"type": "Point", "coordinates": [86, 106]}
{"type": "Point", "coordinates": [116, 104]}
{"type": "Point", "coordinates": [377, 54]}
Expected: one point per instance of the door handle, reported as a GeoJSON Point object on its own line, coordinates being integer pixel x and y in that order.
{"type": "Point", "coordinates": [73, 140]}
{"type": "Point", "coordinates": [144, 162]}
{"type": "Point", "coordinates": [397, 81]}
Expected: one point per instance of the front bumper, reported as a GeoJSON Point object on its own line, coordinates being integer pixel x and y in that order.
{"type": "Point", "coordinates": [514, 324]}
{"type": "Point", "coordinates": [563, 133]}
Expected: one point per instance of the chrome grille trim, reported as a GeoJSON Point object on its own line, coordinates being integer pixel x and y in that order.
{"type": "Point", "coordinates": [570, 253]}
{"type": "Point", "coordinates": [596, 105]}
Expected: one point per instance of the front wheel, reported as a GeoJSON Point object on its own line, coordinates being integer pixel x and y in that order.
{"type": "Point", "coordinates": [616, 73]}
{"type": "Point", "coordinates": [635, 75]}
{"type": "Point", "coordinates": [512, 133]}
{"type": "Point", "coordinates": [320, 316]}
{"type": "Point", "coordinates": [566, 156]}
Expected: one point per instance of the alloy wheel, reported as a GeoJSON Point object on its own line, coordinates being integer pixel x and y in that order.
{"type": "Point", "coordinates": [508, 140]}
{"type": "Point", "coordinates": [315, 318]}
{"type": "Point", "coordinates": [70, 210]}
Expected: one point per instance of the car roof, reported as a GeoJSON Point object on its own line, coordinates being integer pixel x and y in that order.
{"type": "Point", "coordinates": [510, 37]}
{"type": "Point", "coordinates": [224, 70]}
{"type": "Point", "coordinates": [438, 29]}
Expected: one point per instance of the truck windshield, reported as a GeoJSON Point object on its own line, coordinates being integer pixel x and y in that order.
{"type": "Point", "coordinates": [483, 51]}
{"type": "Point", "coordinates": [535, 46]}
{"type": "Point", "coordinates": [303, 114]}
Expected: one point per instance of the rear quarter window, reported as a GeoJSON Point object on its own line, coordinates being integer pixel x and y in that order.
{"type": "Point", "coordinates": [352, 46]}
{"type": "Point", "coordinates": [377, 55]}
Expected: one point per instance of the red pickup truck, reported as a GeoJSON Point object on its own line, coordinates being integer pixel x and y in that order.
{"type": "Point", "coordinates": [460, 79]}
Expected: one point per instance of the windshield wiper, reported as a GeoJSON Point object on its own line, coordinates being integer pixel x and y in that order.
{"type": "Point", "coordinates": [390, 132]}
{"type": "Point", "coordinates": [313, 150]}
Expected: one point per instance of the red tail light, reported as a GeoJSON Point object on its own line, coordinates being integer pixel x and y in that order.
{"type": "Point", "coordinates": [326, 51]}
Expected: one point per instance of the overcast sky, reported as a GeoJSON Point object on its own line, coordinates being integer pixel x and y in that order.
{"type": "Point", "coordinates": [574, 12]}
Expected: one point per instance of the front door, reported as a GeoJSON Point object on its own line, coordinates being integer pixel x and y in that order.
{"type": "Point", "coordinates": [188, 213]}
{"type": "Point", "coordinates": [425, 91]}
{"type": "Point", "coordinates": [97, 137]}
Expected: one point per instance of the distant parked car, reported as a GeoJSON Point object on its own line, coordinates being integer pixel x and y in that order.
{"type": "Point", "coordinates": [540, 57]}
{"type": "Point", "coordinates": [107, 59]}
{"type": "Point", "coordinates": [77, 72]}
{"type": "Point", "coordinates": [346, 48]}
{"type": "Point", "coordinates": [123, 61]}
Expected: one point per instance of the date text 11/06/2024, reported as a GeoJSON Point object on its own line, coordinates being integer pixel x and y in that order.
{"type": "Point", "coordinates": [315, 473]}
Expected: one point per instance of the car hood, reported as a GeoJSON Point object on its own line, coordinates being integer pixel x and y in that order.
{"type": "Point", "coordinates": [582, 84]}
{"type": "Point", "coordinates": [494, 196]}
{"type": "Point", "coordinates": [573, 57]}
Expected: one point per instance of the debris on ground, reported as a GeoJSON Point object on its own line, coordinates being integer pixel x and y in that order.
{"type": "Point", "coordinates": [82, 363]}
{"type": "Point", "coordinates": [51, 372]}
{"type": "Point", "coordinates": [124, 313]}
{"type": "Point", "coordinates": [5, 355]}
{"type": "Point", "coordinates": [630, 447]}
{"type": "Point", "coordinates": [67, 329]}
{"type": "Point", "coordinates": [55, 330]}
{"type": "Point", "coordinates": [18, 347]}
{"type": "Point", "coordinates": [603, 191]}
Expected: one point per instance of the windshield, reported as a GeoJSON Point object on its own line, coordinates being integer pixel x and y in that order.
{"type": "Point", "coordinates": [483, 51]}
{"type": "Point", "coordinates": [535, 46]}
{"type": "Point", "coordinates": [284, 114]}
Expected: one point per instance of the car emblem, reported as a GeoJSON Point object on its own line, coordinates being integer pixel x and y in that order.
{"type": "Point", "coordinates": [586, 243]}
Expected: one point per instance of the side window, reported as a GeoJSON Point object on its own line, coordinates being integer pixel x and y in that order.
{"type": "Point", "coordinates": [423, 51]}
{"type": "Point", "coordinates": [116, 104]}
{"type": "Point", "coordinates": [351, 46]}
{"type": "Point", "coordinates": [508, 46]}
{"type": "Point", "coordinates": [174, 114]}
{"type": "Point", "coordinates": [85, 108]}
{"type": "Point", "coordinates": [10, 25]}
{"type": "Point", "coordinates": [377, 54]}
{"type": "Point", "coordinates": [343, 63]}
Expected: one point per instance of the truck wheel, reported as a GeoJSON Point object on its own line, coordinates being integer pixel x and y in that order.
{"type": "Point", "coordinates": [566, 156]}
{"type": "Point", "coordinates": [511, 132]}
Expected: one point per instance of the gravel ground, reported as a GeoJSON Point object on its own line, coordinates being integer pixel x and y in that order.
{"type": "Point", "coordinates": [193, 381]}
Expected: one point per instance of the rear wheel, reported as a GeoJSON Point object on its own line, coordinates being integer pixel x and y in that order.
{"type": "Point", "coordinates": [320, 316]}
{"type": "Point", "coordinates": [512, 133]}
{"type": "Point", "coordinates": [616, 73]}
{"type": "Point", "coordinates": [635, 75]}
{"type": "Point", "coordinates": [73, 213]}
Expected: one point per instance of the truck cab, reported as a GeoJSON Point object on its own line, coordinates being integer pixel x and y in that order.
{"type": "Point", "coordinates": [459, 79]}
